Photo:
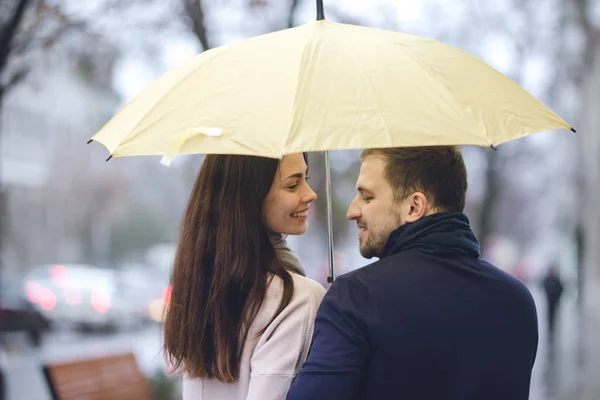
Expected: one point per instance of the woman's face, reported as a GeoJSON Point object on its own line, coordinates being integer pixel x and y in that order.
{"type": "Point", "coordinates": [285, 208]}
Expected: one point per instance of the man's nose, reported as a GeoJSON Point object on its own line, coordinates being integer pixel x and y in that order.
{"type": "Point", "coordinates": [353, 211]}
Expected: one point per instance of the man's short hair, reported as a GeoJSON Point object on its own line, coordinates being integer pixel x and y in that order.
{"type": "Point", "coordinates": [439, 172]}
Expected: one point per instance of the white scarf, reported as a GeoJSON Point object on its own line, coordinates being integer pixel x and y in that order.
{"type": "Point", "coordinates": [285, 255]}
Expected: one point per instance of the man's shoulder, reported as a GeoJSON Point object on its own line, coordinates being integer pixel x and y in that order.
{"type": "Point", "coordinates": [409, 260]}
{"type": "Point", "coordinates": [407, 268]}
{"type": "Point", "coordinates": [508, 281]}
{"type": "Point", "coordinates": [366, 281]}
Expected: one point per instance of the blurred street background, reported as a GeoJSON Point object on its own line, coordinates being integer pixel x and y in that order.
{"type": "Point", "coordinates": [86, 246]}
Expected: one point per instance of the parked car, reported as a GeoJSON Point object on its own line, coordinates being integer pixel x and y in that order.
{"type": "Point", "coordinates": [148, 286]}
{"type": "Point", "coordinates": [18, 315]}
{"type": "Point", "coordinates": [85, 295]}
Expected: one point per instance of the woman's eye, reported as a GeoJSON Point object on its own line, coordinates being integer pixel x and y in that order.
{"type": "Point", "coordinates": [294, 186]}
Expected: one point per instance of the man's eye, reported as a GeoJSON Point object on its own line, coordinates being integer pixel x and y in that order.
{"type": "Point", "coordinates": [367, 198]}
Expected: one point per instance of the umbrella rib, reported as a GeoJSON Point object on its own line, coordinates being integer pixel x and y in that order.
{"type": "Point", "coordinates": [294, 110]}
{"type": "Point", "coordinates": [364, 71]}
{"type": "Point", "coordinates": [160, 101]}
{"type": "Point", "coordinates": [128, 140]}
{"type": "Point", "coordinates": [242, 145]}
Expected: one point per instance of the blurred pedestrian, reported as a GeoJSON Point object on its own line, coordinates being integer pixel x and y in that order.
{"type": "Point", "coordinates": [241, 314]}
{"type": "Point", "coordinates": [430, 319]}
{"type": "Point", "coordinates": [553, 287]}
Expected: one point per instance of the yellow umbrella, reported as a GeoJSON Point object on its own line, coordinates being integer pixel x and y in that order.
{"type": "Point", "coordinates": [325, 86]}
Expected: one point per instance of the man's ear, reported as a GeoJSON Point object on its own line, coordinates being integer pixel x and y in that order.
{"type": "Point", "coordinates": [419, 207]}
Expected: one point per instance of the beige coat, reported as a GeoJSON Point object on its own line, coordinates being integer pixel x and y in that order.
{"type": "Point", "coordinates": [269, 362]}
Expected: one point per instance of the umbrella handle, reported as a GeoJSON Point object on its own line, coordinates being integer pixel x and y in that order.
{"type": "Point", "coordinates": [320, 12]}
{"type": "Point", "coordinates": [328, 200]}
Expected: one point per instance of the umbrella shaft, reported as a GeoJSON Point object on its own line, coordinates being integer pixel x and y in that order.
{"type": "Point", "coordinates": [320, 12]}
{"type": "Point", "coordinates": [329, 202]}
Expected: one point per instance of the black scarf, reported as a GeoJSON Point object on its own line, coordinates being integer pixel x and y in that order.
{"type": "Point", "coordinates": [441, 234]}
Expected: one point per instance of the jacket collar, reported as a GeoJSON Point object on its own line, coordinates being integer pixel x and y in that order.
{"type": "Point", "coordinates": [441, 234]}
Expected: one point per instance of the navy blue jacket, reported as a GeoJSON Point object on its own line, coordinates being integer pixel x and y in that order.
{"type": "Point", "coordinates": [429, 321]}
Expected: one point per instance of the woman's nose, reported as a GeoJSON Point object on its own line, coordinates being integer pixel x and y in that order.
{"type": "Point", "coordinates": [310, 195]}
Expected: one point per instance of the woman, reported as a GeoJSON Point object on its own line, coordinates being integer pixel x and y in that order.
{"type": "Point", "coordinates": [241, 312]}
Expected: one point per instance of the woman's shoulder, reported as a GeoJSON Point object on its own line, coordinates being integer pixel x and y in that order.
{"type": "Point", "coordinates": [307, 286]}
{"type": "Point", "coordinates": [305, 289]}
{"type": "Point", "coordinates": [303, 305]}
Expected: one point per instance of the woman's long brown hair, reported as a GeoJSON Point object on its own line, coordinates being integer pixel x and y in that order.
{"type": "Point", "coordinates": [222, 268]}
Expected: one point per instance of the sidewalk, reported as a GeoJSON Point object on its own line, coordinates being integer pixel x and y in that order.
{"type": "Point", "coordinates": [590, 355]}
{"type": "Point", "coordinates": [558, 371]}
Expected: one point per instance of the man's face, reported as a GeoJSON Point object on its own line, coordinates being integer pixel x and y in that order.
{"type": "Point", "coordinates": [374, 208]}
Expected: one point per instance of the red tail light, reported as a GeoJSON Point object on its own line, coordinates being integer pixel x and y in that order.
{"type": "Point", "coordinates": [166, 295]}
{"type": "Point", "coordinates": [100, 301]}
{"type": "Point", "coordinates": [33, 292]}
{"type": "Point", "coordinates": [47, 299]}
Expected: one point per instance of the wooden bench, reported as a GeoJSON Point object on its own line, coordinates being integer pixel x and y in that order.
{"type": "Point", "coordinates": [114, 377]}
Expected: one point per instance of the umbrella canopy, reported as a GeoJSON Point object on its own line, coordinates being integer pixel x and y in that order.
{"type": "Point", "coordinates": [325, 86]}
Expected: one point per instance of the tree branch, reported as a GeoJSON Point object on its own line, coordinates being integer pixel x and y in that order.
{"type": "Point", "coordinates": [15, 79]}
{"type": "Point", "coordinates": [292, 13]}
{"type": "Point", "coordinates": [9, 32]}
{"type": "Point", "coordinates": [581, 10]}
{"type": "Point", "coordinates": [195, 14]}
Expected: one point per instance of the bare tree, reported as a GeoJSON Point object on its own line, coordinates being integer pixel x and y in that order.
{"type": "Point", "coordinates": [30, 28]}
{"type": "Point", "coordinates": [31, 25]}
{"type": "Point", "coordinates": [8, 32]}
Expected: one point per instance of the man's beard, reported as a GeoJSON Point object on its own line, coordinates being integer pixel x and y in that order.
{"type": "Point", "coordinates": [378, 237]}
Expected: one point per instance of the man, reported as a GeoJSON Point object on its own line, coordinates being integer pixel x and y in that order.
{"type": "Point", "coordinates": [430, 320]}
